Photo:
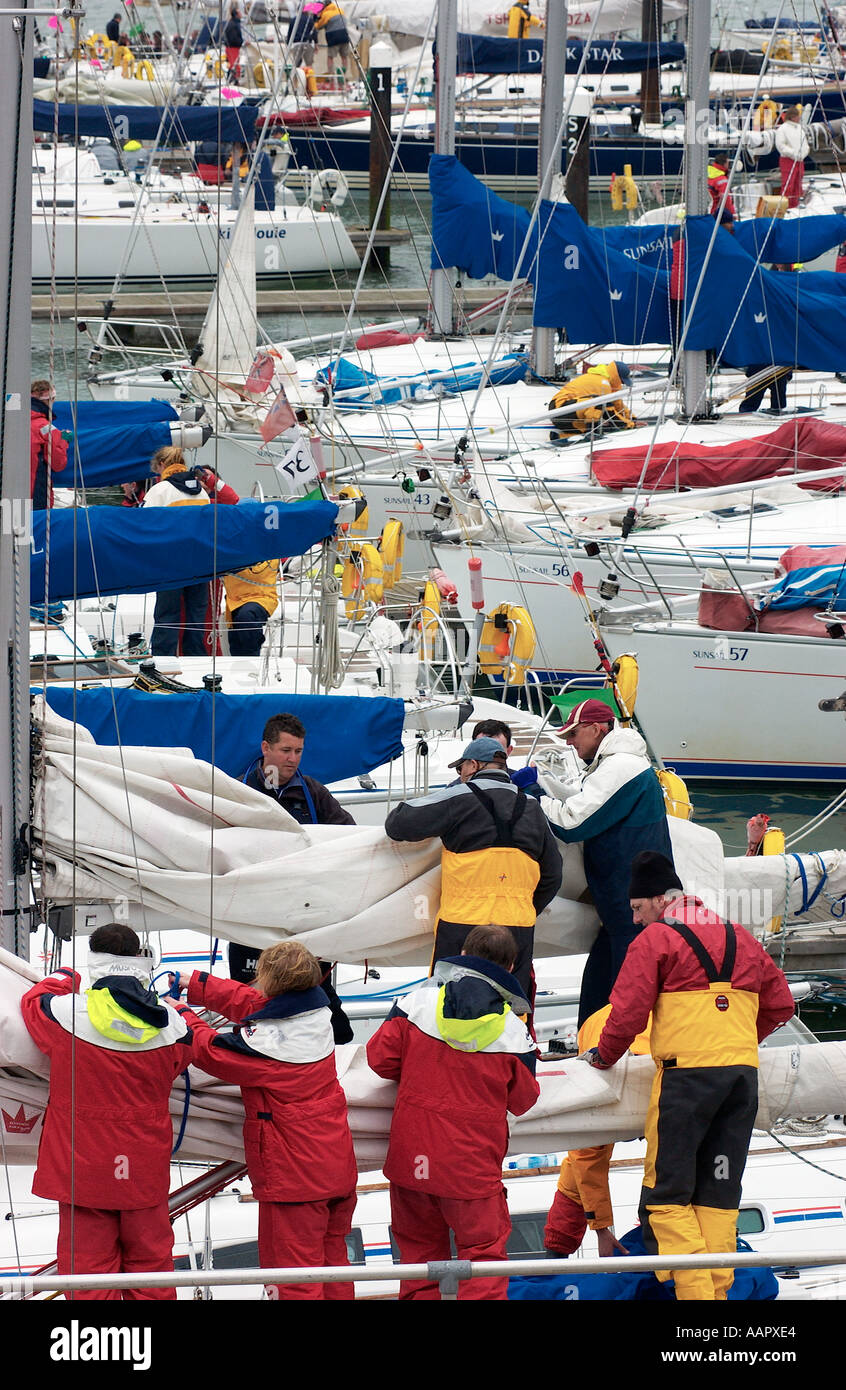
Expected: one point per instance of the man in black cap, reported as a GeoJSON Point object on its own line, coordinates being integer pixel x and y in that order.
{"type": "Point", "coordinates": [500, 864]}
{"type": "Point", "coordinates": [714, 994]}
{"type": "Point", "coordinates": [616, 811]}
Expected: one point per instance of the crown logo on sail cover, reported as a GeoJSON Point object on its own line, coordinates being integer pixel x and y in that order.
{"type": "Point", "coordinates": [19, 1124]}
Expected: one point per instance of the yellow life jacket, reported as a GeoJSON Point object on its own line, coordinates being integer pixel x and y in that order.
{"type": "Point", "coordinates": [115, 1022]}
{"type": "Point", "coordinates": [520, 22]}
{"type": "Point", "coordinates": [489, 885]}
{"type": "Point", "coordinates": [496, 884]}
{"type": "Point", "coordinates": [349, 529]}
{"type": "Point", "coordinates": [256, 584]}
{"type": "Point", "coordinates": [391, 546]}
{"type": "Point", "coordinates": [362, 580]}
{"type": "Point", "coordinates": [430, 608]}
{"type": "Point", "coordinates": [715, 1026]}
{"type": "Point", "coordinates": [507, 644]}
{"type": "Point", "coordinates": [676, 797]}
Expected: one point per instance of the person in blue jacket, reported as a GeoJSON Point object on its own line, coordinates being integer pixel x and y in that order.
{"type": "Point", "coordinates": [276, 773]}
{"type": "Point", "coordinates": [615, 811]}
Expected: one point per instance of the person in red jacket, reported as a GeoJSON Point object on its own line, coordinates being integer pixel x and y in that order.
{"type": "Point", "coordinates": [714, 994]}
{"type": "Point", "coordinates": [463, 1061]}
{"type": "Point", "coordinates": [296, 1134]}
{"type": "Point", "coordinates": [718, 182]}
{"type": "Point", "coordinates": [48, 448]}
{"type": "Point", "coordinates": [106, 1145]}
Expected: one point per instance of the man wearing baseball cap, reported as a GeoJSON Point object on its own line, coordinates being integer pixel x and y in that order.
{"type": "Point", "coordinates": [616, 811]}
{"type": "Point", "coordinates": [500, 864]}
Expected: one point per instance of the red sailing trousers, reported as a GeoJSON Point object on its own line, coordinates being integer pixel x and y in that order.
{"type": "Point", "coordinates": [306, 1233]}
{"type": "Point", "coordinates": [115, 1242]}
{"type": "Point", "coordinates": [421, 1224]}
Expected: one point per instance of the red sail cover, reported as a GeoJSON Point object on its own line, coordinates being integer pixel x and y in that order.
{"type": "Point", "coordinates": [802, 444]}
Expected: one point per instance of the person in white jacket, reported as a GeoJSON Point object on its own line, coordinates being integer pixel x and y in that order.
{"type": "Point", "coordinates": [615, 811]}
{"type": "Point", "coordinates": [179, 614]}
{"type": "Point", "coordinates": [792, 145]}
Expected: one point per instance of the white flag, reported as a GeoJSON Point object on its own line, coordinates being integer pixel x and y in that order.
{"type": "Point", "coordinates": [298, 470]}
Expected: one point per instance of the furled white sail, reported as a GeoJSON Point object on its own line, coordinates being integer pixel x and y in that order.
{"type": "Point", "coordinates": [228, 335]}
{"type": "Point", "coordinates": [183, 845]}
{"type": "Point", "coordinates": [578, 1106]}
{"type": "Point", "coordinates": [482, 17]}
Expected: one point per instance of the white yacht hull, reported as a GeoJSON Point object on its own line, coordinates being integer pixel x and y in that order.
{"type": "Point", "coordinates": [187, 246]}
{"type": "Point", "coordinates": [740, 705]}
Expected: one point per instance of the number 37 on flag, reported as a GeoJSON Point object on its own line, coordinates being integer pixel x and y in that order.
{"type": "Point", "coordinates": [298, 468]}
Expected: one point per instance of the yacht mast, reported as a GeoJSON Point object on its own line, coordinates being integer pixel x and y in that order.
{"type": "Point", "coordinates": [447, 54]}
{"type": "Point", "coordinates": [693, 364]}
{"type": "Point", "coordinates": [549, 149]}
{"type": "Point", "coordinates": [15, 367]}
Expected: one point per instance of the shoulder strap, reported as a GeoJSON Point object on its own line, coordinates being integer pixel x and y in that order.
{"type": "Point", "coordinates": [715, 976]}
{"type": "Point", "coordinates": [504, 829]}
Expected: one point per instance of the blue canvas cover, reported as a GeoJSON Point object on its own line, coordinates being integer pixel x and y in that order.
{"type": "Point", "coordinates": [363, 389]}
{"type": "Point", "coordinates": [480, 53]}
{"type": "Point", "coordinates": [749, 314]}
{"type": "Point", "coordinates": [613, 285]}
{"type": "Point", "coordinates": [114, 441]}
{"type": "Point", "coordinates": [116, 550]}
{"type": "Point", "coordinates": [636, 1287]}
{"type": "Point", "coordinates": [176, 125]}
{"type": "Point", "coordinates": [809, 587]}
{"type": "Point", "coordinates": [347, 735]}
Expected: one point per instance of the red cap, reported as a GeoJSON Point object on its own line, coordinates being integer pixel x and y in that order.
{"type": "Point", "coordinates": [588, 712]}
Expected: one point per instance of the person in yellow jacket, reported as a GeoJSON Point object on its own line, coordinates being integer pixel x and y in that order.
{"type": "Point", "coordinates": [714, 994]}
{"type": "Point", "coordinates": [521, 21]}
{"type": "Point", "coordinates": [583, 1198]}
{"type": "Point", "coordinates": [331, 21]}
{"type": "Point", "coordinates": [601, 380]}
{"type": "Point", "coordinates": [251, 598]}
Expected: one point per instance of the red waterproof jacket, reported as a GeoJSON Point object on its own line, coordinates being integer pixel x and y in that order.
{"type": "Point", "coordinates": [45, 444]}
{"type": "Point", "coordinates": [449, 1133]}
{"type": "Point", "coordinates": [108, 1134]}
{"type": "Point", "coordinates": [660, 964]}
{"type": "Point", "coordinates": [296, 1134]}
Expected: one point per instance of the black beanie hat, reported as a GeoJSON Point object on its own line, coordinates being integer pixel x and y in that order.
{"type": "Point", "coordinates": [652, 875]}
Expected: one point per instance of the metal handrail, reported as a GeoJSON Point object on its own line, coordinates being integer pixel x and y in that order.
{"type": "Point", "coordinates": [448, 1274]}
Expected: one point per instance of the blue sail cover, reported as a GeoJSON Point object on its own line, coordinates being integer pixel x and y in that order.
{"type": "Point", "coordinates": [360, 389]}
{"type": "Point", "coordinates": [472, 228]}
{"type": "Point", "coordinates": [751, 315]}
{"type": "Point", "coordinates": [776, 240]}
{"type": "Point", "coordinates": [348, 735]}
{"type": "Point", "coordinates": [478, 53]}
{"type": "Point", "coordinates": [602, 286]}
{"type": "Point", "coordinates": [612, 285]}
{"type": "Point", "coordinates": [115, 550]}
{"type": "Point", "coordinates": [176, 125]}
{"type": "Point", "coordinates": [114, 441]}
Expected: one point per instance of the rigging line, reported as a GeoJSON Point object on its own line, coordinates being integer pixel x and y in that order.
{"type": "Point", "coordinates": [546, 175]}
{"type": "Point", "coordinates": [383, 195]}
{"type": "Point", "coordinates": [688, 319]}
{"type": "Point", "coordinates": [794, 1154]}
{"type": "Point", "coordinates": [142, 201]}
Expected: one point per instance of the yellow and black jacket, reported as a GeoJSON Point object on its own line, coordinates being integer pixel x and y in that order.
{"type": "Point", "coordinates": [713, 992]}
{"type": "Point", "coordinates": [500, 862]}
